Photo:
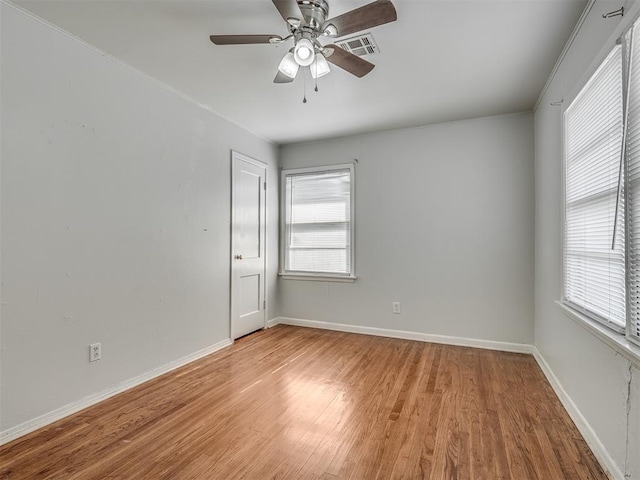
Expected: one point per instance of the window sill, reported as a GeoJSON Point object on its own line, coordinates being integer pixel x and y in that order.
{"type": "Point", "coordinates": [615, 340]}
{"type": "Point", "coordinates": [317, 278]}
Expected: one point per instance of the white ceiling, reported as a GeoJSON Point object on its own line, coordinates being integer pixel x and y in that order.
{"type": "Point", "coordinates": [442, 60]}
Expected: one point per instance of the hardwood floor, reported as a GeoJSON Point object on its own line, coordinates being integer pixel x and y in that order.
{"type": "Point", "coordinates": [299, 403]}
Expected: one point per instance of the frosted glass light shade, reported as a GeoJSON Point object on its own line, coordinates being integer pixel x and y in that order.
{"type": "Point", "coordinates": [304, 52]}
{"type": "Point", "coordinates": [288, 66]}
{"type": "Point", "coordinates": [320, 67]}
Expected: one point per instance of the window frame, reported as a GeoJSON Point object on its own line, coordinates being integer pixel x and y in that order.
{"type": "Point", "coordinates": [578, 309]}
{"type": "Point", "coordinates": [318, 276]}
{"type": "Point", "coordinates": [622, 342]}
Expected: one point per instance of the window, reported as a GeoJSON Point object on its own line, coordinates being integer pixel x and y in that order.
{"type": "Point", "coordinates": [632, 42]}
{"type": "Point", "coordinates": [317, 222]}
{"type": "Point", "coordinates": [601, 263]}
{"type": "Point", "coordinates": [594, 280]}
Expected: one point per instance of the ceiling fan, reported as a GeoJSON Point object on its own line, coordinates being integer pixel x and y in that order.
{"type": "Point", "coordinates": [307, 23]}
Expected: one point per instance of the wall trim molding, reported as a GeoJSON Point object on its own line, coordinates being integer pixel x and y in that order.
{"type": "Point", "coordinates": [29, 426]}
{"type": "Point", "coordinates": [422, 337]}
{"type": "Point", "coordinates": [590, 436]}
{"type": "Point", "coordinates": [273, 322]}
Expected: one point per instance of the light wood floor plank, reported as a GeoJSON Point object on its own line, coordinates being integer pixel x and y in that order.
{"type": "Point", "coordinates": [299, 403]}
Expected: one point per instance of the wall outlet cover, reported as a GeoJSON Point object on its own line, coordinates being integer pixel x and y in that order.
{"type": "Point", "coordinates": [95, 352]}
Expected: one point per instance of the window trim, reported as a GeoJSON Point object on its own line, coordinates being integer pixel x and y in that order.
{"type": "Point", "coordinates": [625, 342]}
{"type": "Point", "coordinates": [577, 312]}
{"type": "Point", "coordinates": [329, 276]}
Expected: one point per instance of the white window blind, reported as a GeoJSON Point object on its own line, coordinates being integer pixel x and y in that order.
{"type": "Point", "coordinates": [633, 188]}
{"type": "Point", "coordinates": [594, 273]}
{"type": "Point", "coordinates": [318, 221]}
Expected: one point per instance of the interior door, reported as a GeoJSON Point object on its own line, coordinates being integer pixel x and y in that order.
{"type": "Point", "coordinates": [248, 262]}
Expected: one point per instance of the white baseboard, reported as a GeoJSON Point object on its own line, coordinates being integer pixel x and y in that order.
{"type": "Point", "coordinates": [598, 449]}
{"type": "Point", "coordinates": [422, 337]}
{"type": "Point", "coordinates": [13, 433]}
{"type": "Point", "coordinates": [273, 322]}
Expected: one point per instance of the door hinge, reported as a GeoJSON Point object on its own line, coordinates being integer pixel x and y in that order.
{"type": "Point", "coordinates": [264, 304]}
{"type": "Point", "coordinates": [265, 185]}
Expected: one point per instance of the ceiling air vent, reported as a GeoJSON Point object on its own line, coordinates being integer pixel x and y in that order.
{"type": "Point", "coordinates": [360, 45]}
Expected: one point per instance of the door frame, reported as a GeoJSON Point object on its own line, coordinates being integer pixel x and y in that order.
{"type": "Point", "coordinates": [240, 156]}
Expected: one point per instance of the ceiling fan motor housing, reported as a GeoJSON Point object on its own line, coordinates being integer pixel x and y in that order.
{"type": "Point", "coordinates": [315, 12]}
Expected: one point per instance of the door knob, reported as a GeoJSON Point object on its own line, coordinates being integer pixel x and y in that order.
{"type": "Point", "coordinates": [238, 257]}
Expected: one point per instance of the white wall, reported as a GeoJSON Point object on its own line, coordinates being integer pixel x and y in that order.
{"type": "Point", "coordinates": [595, 377]}
{"type": "Point", "coordinates": [444, 224]}
{"type": "Point", "coordinates": [115, 201]}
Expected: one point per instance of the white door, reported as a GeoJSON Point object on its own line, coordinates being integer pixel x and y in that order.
{"type": "Point", "coordinates": [248, 262]}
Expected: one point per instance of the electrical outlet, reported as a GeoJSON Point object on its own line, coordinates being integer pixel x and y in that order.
{"type": "Point", "coordinates": [395, 307]}
{"type": "Point", "coordinates": [95, 352]}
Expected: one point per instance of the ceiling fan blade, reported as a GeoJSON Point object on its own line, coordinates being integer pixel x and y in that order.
{"type": "Point", "coordinates": [282, 78]}
{"type": "Point", "coordinates": [244, 39]}
{"type": "Point", "coordinates": [288, 9]}
{"type": "Point", "coordinates": [348, 61]}
{"type": "Point", "coordinates": [368, 16]}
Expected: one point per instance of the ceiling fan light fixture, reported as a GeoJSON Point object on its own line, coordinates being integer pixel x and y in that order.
{"type": "Point", "coordinates": [307, 22]}
{"type": "Point", "coordinates": [320, 67]}
{"type": "Point", "coordinates": [304, 53]}
{"type": "Point", "coordinates": [288, 66]}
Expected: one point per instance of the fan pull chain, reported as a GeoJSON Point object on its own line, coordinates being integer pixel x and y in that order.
{"type": "Point", "coordinates": [304, 78]}
{"type": "Point", "coordinates": [316, 79]}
